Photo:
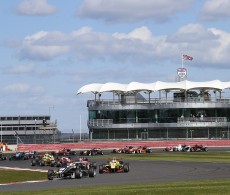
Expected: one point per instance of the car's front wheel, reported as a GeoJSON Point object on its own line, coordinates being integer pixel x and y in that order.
{"type": "Point", "coordinates": [50, 174]}
{"type": "Point", "coordinates": [78, 174]}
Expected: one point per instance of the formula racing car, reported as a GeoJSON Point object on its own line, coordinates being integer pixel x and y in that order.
{"type": "Point", "coordinates": [75, 170]}
{"type": "Point", "coordinates": [114, 166]}
{"type": "Point", "coordinates": [198, 148]}
{"type": "Point", "coordinates": [2, 157]}
{"type": "Point", "coordinates": [19, 156]}
{"type": "Point", "coordinates": [46, 160]}
{"type": "Point", "coordinates": [92, 152]}
{"type": "Point", "coordinates": [178, 148]}
{"type": "Point", "coordinates": [64, 152]}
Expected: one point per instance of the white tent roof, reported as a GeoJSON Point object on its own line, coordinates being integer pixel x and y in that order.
{"type": "Point", "coordinates": [157, 86]}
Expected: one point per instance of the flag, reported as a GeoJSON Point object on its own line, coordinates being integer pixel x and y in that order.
{"type": "Point", "coordinates": [186, 57]}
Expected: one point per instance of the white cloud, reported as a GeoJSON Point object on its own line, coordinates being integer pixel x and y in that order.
{"type": "Point", "coordinates": [22, 88]}
{"type": "Point", "coordinates": [44, 45]}
{"type": "Point", "coordinates": [139, 46]}
{"type": "Point", "coordinates": [132, 10]}
{"type": "Point", "coordinates": [142, 33]}
{"type": "Point", "coordinates": [192, 33]}
{"type": "Point", "coordinates": [35, 7]}
{"type": "Point", "coordinates": [216, 10]}
{"type": "Point", "coordinates": [20, 69]}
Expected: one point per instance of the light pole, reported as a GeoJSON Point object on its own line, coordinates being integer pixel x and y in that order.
{"type": "Point", "coordinates": [52, 107]}
{"type": "Point", "coordinates": [80, 127]}
{"type": "Point", "coordinates": [191, 133]}
{"type": "Point", "coordinates": [73, 135]}
{"type": "Point", "coordinates": [35, 131]}
{"type": "Point", "coordinates": [1, 131]}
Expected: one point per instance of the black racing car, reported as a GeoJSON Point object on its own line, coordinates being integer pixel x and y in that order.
{"type": "Point", "coordinates": [19, 156]}
{"type": "Point", "coordinates": [2, 157]}
{"type": "Point", "coordinates": [75, 170]}
{"type": "Point", "coordinates": [92, 152]}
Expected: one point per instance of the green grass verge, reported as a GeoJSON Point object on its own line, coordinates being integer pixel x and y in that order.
{"type": "Point", "coordinates": [174, 188]}
{"type": "Point", "coordinates": [11, 176]}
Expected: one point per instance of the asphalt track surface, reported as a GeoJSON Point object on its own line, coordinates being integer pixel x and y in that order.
{"type": "Point", "coordinates": [141, 171]}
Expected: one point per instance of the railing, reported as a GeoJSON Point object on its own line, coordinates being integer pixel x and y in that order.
{"type": "Point", "coordinates": [202, 119]}
{"type": "Point", "coordinates": [100, 122]}
{"type": "Point", "coordinates": [109, 102]}
{"type": "Point", "coordinates": [179, 120]}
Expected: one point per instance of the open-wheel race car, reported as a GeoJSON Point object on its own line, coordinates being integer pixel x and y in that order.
{"type": "Point", "coordinates": [2, 157]}
{"type": "Point", "coordinates": [118, 150]}
{"type": "Point", "coordinates": [91, 152]}
{"type": "Point", "coordinates": [75, 170]}
{"type": "Point", "coordinates": [46, 160]}
{"type": "Point", "coordinates": [114, 166]}
{"type": "Point", "coordinates": [126, 150]}
{"type": "Point", "coordinates": [133, 150]}
{"type": "Point", "coordinates": [178, 148]}
{"type": "Point", "coordinates": [198, 148]}
{"type": "Point", "coordinates": [64, 161]}
{"type": "Point", "coordinates": [64, 152]}
{"type": "Point", "coordinates": [144, 149]}
{"type": "Point", "coordinates": [19, 156]}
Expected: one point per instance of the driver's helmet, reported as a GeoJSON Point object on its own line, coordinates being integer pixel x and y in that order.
{"type": "Point", "coordinates": [71, 164]}
{"type": "Point", "coordinates": [114, 160]}
{"type": "Point", "coordinates": [80, 159]}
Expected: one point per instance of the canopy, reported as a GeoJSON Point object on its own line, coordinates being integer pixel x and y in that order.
{"type": "Point", "coordinates": [157, 86]}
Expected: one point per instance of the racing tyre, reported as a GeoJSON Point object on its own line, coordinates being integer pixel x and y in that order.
{"type": "Point", "coordinates": [100, 169]}
{"type": "Point", "coordinates": [92, 172]}
{"type": "Point", "coordinates": [42, 163]}
{"type": "Point", "coordinates": [94, 165]}
{"type": "Point", "coordinates": [58, 164]}
{"type": "Point", "coordinates": [126, 168]}
{"type": "Point", "coordinates": [78, 174]}
{"type": "Point", "coordinates": [50, 174]}
{"type": "Point", "coordinates": [52, 164]}
{"type": "Point", "coordinates": [33, 162]}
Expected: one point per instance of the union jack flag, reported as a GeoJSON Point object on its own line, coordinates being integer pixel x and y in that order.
{"type": "Point", "coordinates": [186, 57]}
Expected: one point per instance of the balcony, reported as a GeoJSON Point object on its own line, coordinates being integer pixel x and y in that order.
{"type": "Point", "coordinates": [156, 101]}
{"type": "Point", "coordinates": [160, 122]}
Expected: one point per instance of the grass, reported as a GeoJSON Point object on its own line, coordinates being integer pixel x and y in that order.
{"type": "Point", "coordinates": [174, 188]}
{"type": "Point", "coordinates": [11, 176]}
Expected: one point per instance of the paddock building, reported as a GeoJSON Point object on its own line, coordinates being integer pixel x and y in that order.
{"type": "Point", "coordinates": [33, 129]}
{"type": "Point", "coordinates": [159, 110]}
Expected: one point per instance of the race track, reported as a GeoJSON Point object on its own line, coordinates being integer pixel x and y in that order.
{"type": "Point", "coordinates": [142, 171]}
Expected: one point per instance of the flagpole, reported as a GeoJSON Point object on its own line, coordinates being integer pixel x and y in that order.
{"type": "Point", "coordinates": [80, 127]}
{"type": "Point", "coordinates": [182, 61]}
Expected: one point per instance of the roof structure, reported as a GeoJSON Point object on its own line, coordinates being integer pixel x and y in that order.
{"type": "Point", "coordinates": [151, 87]}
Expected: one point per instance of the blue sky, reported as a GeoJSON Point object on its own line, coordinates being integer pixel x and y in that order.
{"type": "Point", "coordinates": [51, 48]}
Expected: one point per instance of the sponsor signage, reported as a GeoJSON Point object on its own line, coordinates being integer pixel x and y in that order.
{"type": "Point", "coordinates": [181, 72]}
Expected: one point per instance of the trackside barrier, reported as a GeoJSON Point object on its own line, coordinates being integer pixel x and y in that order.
{"type": "Point", "coordinates": [111, 145]}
